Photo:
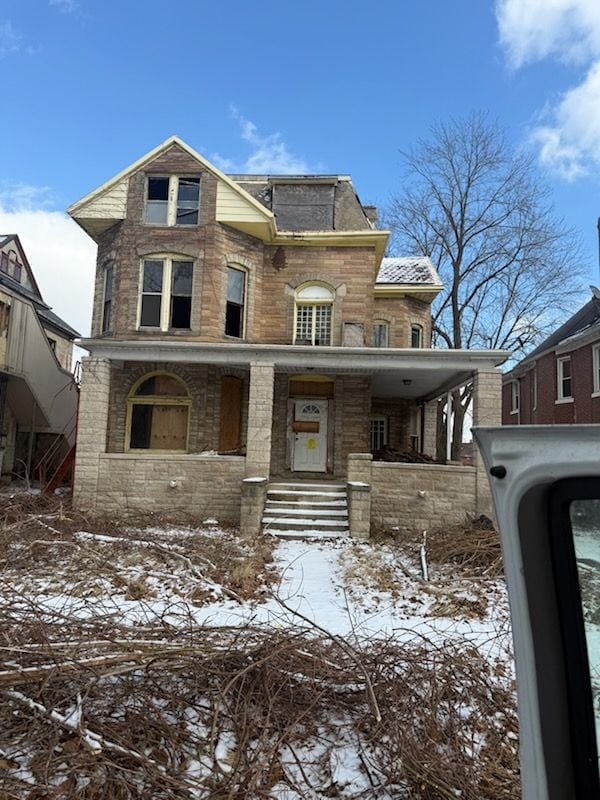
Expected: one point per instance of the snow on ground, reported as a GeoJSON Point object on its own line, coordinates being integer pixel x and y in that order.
{"type": "Point", "coordinates": [347, 588]}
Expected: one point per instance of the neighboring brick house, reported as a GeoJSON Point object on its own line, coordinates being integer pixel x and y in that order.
{"type": "Point", "coordinates": [38, 396]}
{"type": "Point", "coordinates": [248, 327]}
{"type": "Point", "coordinates": [559, 382]}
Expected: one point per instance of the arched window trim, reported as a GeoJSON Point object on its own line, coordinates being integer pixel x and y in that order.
{"type": "Point", "coordinates": [314, 302]}
{"type": "Point", "coordinates": [169, 258]}
{"type": "Point", "coordinates": [134, 399]}
{"type": "Point", "coordinates": [239, 267]}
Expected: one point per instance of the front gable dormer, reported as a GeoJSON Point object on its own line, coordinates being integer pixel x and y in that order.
{"type": "Point", "coordinates": [14, 265]}
{"type": "Point", "coordinates": [172, 196]}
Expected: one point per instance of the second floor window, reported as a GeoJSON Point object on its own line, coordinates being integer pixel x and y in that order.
{"type": "Point", "coordinates": [312, 324]}
{"type": "Point", "coordinates": [173, 200]}
{"type": "Point", "coordinates": [380, 334]}
{"type": "Point", "coordinates": [515, 396]}
{"type": "Point", "coordinates": [596, 368]}
{"type": "Point", "coordinates": [166, 293]}
{"type": "Point", "coordinates": [416, 336]}
{"type": "Point", "coordinates": [563, 375]}
{"type": "Point", "coordinates": [107, 304]}
{"type": "Point", "coordinates": [236, 299]}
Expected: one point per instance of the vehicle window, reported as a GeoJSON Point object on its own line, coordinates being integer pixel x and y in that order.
{"type": "Point", "coordinates": [585, 522]}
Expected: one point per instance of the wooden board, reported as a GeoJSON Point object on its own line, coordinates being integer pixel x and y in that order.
{"type": "Point", "coordinates": [231, 413]}
{"type": "Point", "coordinates": [311, 388]}
{"type": "Point", "coordinates": [169, 428]}
{"type": "Point", "coordinates": [303, 426]}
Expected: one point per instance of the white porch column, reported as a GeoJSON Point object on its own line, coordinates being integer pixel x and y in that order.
{"type": "Point", "coordinates": [91, 429]}
{"type": "Point", "coordinates": [487, 411]}
{"type": "Point", "coordinates": [430, 428]}
{"type": "Point", "coordinates": [260, 419]}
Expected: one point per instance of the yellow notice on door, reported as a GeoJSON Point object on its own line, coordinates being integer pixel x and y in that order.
{"type": "Point", "coordinates": [311, 443]}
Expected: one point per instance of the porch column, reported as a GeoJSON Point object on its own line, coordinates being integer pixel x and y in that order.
{"type": "Point", "coordinates": [91, 429]}
{"type": "Point", "coordinates": [487, 411]}
{"type": "Point", "coordinates": [260, 419]}
{"type": "Point", "coordinates": [430, 428]}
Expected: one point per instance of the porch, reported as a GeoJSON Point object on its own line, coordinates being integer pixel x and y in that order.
{"type": "Point", "coordinates": [299, 413]}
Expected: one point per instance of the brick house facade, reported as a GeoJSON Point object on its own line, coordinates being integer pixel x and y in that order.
{"type": "Point", "coordinates": [559, 382]}
{"type": "Point", "coordinates": [246, 327]}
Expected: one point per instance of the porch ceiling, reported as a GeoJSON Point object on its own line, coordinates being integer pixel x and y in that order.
{"type": "Point", "coordinates": [404, 372]}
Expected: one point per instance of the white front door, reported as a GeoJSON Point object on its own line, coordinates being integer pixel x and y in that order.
{"type": "Point", "coordinates": [310, 447]}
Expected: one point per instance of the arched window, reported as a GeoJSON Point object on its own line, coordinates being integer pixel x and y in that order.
{"type": "Point", "coordinates": [381, 331]}
{"type": "Point", "coordinates": [158, 411]}
{"type": "Point", "coordinates": [312, 321]}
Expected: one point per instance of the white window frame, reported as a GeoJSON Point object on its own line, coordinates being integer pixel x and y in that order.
{"type": "Point", "coordinates": [560, 378]}
{"type": "Point", "coordinates": [419, 329]}
{"type": "Point", "coordinates": [379, 418]}
{"type": "Point", "coordinates": [596, 370]}
{"type": "Point", "coordinates": [515, 396]}
{"type": "Point", "coordinates": [324, 296]}
{"type": "Point", "coordinates": [172, 201]}
{"type": "Point", "coordinates": [382, 323]}
{"type": "Point", "coordinates": [165, 305]}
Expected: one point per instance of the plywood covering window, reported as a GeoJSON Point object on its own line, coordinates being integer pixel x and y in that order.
{"type": "Point", "coordinates": [236, 301]}
{"type": "Point", "coordinates": [172, 200]}
{"type": "Point", "coordinates": [312, 323]}
{"type": "Point", "coordinates": [158, 411]}
{"type": "Point", "coordinates": [231, 414]}
{"type": "Point", "coordinates": [166, 293]}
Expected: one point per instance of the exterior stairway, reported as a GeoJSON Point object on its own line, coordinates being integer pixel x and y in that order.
{"type": "Point", "coordinates": [306, 510]}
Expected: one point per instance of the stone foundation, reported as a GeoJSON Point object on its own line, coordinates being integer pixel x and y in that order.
{"type": "Point", "coordinates": [206, 486]}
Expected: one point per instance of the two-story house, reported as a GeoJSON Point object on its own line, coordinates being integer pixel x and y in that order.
{"type": "Point", "coordinates": [38, 396]}
{"type": "Point", "coordinates": [248, 331]}
{"type": "Point", "coordinates": [559, 382]}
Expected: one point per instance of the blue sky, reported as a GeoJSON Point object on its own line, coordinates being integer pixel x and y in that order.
{"type": "Point", "coordinates": [334, 86]}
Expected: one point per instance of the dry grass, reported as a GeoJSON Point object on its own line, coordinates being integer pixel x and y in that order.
{"type": "Point", "coordinates": [94, 708]}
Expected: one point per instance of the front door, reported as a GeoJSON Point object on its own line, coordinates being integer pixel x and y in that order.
{"type": "Point", "coordinates": [310, 436]}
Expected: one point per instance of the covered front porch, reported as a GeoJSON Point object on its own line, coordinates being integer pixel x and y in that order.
{"type": "Point", "coordinates": [298, 413]}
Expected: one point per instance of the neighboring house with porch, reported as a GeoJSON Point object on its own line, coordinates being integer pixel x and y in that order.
{"type": "Point", "coordinates": [247, 331]}
{"type": "Point", "coordinates": [559, 382]}
{"type": "Point", "coordinates": [38, 395]}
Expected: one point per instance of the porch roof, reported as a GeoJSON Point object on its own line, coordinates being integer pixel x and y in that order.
{"type": "Point", "coordinates": [396, 372]}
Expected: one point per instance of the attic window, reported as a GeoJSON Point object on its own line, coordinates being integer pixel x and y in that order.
{"type": "Point", "coordinates": [173, 200]}
{"type": "Point", "coordinates": [4, 262]}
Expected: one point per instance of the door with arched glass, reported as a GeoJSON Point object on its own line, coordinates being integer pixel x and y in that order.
{"type": "Point", "coordinates": [310, 436]}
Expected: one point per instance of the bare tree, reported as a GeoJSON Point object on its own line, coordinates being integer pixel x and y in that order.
{"type": "Point", "coordinates": [510, 268]}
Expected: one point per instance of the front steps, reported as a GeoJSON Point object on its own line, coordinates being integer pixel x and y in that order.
{"type": "Point", "coordinates": [306, 510]}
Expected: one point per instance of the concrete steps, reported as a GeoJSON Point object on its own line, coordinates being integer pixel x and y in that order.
{"type": "Point", "coordinates": [306, 510]}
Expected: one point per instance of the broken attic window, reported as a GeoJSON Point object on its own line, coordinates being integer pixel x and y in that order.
{"type": "Point", "coordinates": [234, 311]}
{"type": "Point", "coordinates": [188, 200]}
{"type": "Point", "coordinates": [157, 204]}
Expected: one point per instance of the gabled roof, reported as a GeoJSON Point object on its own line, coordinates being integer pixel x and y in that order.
{"type": "Point", "coordinates": [33, 295]}
{"type": "Point", "coordinates": [417, 270]}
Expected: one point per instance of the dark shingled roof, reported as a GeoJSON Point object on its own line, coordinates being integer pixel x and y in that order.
{"type": "Point", "coordinates": [43, 310]}
{"type": "Point", "coordinates": [416, 270]}
{"type": "Point", "coordinates": [586, 318]}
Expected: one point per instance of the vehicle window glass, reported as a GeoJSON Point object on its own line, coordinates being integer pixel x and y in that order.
{"type": "Point", "coordinates": [585, 522]}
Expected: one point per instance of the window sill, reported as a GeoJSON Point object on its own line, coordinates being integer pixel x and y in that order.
{"type": "Point", "coordinates": [516, 411]}
{"type": "Point", "coordinates": [562, 400]}
{"type": "Point", "coordinates": [596, 394]}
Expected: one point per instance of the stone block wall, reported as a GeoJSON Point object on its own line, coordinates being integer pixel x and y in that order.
{"type": "Point", "coordinates": [401, 313]}
{"type": "Point", "coordinates": [207, 486]}
{"type": "Point", "coordinates": [421, 496]}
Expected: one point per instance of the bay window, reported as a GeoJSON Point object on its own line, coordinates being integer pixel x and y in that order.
{"type": "Point", "coordinates": [166, 293]}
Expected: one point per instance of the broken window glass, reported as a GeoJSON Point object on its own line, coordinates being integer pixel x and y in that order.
{"type": "Point", "coordinates": [188, 198]}
{"type": "Point", "coordinates": [106, 311]}
{"type": "Point", "coordinates": [181, 294]}
{"type": "Point", "coordinates": [157, 204]}
{"type": "Point", "coordinates": [234, 311]}
{"type": "Point", "coordinates": [152, 294]}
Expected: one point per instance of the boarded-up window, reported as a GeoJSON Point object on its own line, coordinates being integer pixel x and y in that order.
{"type": "Point", "coordinates": [231, 414]}
{"type": "Point", "coordinates": [159, 414]}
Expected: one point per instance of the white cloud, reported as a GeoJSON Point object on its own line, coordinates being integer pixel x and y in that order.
{"type": "Point", "coordinates": [10, 41]}
{"type": "Point", "coordinates": [270, 154]}
{"type": "Point", "coordinates": [62, 258]}
{"type": "Point", "coordinates": [66, 6]}
{"type": "Point", "coordinates": [568, 137]}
